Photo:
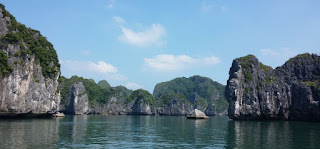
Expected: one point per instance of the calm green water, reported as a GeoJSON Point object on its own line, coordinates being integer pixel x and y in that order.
{"type": "Point", "coordinates": [155, 132]}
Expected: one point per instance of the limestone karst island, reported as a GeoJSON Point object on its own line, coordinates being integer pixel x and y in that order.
{"type": "Point", "coordinates": [159, 74]}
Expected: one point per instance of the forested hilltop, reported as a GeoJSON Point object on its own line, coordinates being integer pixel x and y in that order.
{"type": "Point", "coordinates": [194, 92]}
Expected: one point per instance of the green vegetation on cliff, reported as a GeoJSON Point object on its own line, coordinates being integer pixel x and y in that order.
{"type": "Point", "coordinates": [141, 94]}
{"type": "Point", "coordinates": [195, 90]}
{"type": "Point", "coordinates": [303, 59]}
{"type": "Point", "coordinates": [97, 93]}
{"type": "Point", "coordinates": [94, 91]}
{"type": "Point", "coordinates": [265, 67]}
{"type": "Point", "coordinates": [5, 68]}
{"type": "Point", "coordinates": [104, 84]}
{"type": "Point", "coordinates": [315, 84]}
{"type": "Point", "coordinates": [166, 98]}
{"type": "Point", "coordinates": [305, 56]}
{"type": "Point", "coordinates": [246, 63]}
{"type": "Point", "coordinates": [269, 78]}
{"type": "Point", "coordinates": [30, 42]}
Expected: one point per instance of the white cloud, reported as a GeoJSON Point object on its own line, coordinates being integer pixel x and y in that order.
{"type": "Point", "coordinates": [150, 36]}
{"type": "Point", "coordinates": [118, 19]}
{"type": "Point", "coordinates": [167, 62]}
{"type": "Point", "coordinates": [133, 86]}
{"type": "Point", "coordinates": [101, 68]}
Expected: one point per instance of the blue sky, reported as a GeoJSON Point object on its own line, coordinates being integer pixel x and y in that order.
{"type": "Point", "coordinates": [141, 43]}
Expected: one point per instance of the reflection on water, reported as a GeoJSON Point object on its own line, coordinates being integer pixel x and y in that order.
{"type": "Point", "coordinates": [150, 131]}
{"type": "Point", "coordinates": [276, 134]}
{"type": "Point", "coordinates": [73, 129]}
{"type": "Point", "coordinates": [31, 133]}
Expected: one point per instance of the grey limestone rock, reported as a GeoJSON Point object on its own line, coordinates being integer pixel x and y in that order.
{"type": "Point", "coordinates": [78, 103]}
{"type": "Point", "coordinates": [25, 89]}
{"type": "Point", "coordinates": [211, 110]}
{"type": "Point", "coordinates": [197, 114]}
{"type": "Point", "coordinates": [141, 108]}
{"type": "Point", "coordinates": [290, 92]}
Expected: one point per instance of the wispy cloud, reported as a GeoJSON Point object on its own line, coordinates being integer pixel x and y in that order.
{"type": "Point", "coordinates": [110, 4]}
{"type": "Point", "coordinates": [119, 19]}
{"type": "Point", "coordinates": [224, 9]}
{"type": "Point", "coordinates": [282, 52]}
{"type": "Point", "coordinates": [266, 52]}
{"type": "Point", "coordinates": [206, 7]}
{"type": "Point", "coordinates": [101, 68]}
{"type": "Point", "coordinates": [276, 57]}
{"type": "Point", "coordinates": [212, 6]}
{"type": "Point", "coordinates": [133, 86]}
{"type": "Point", "coordinates": [153, 35]}
{"type": "Point", "coordinates": [85, 52]}
{"type": "Point", "coordinates": [167, 62]}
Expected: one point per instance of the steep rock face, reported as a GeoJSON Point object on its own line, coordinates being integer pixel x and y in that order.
{"type": "Point", "coordinates": [302, 73]}
{"type": "Point", "coordinates": [211, 110]}
{"type": "Point", "coordinates": [175, 107]}
{"type": "Point", "coordinates": [116, 105]}
{"type": "Point", "coordinates": [28, 82]}
{"type": "Point", "coordinates": [289, 92]}
{"type": "Point", "coordinates": [141, 108]}
{"type": "Point", "coordinates": [78, 103]}
{"type": "Point", "coordinates": [143, 102]}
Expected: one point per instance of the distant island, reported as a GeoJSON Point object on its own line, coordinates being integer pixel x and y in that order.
{"type": "Point", "coordinates": [176, 97]}
{"type": "Point", "coordinates": [31, 86]}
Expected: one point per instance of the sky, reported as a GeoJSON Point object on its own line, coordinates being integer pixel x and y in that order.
{"type": "Point", "coordinates": [140, 43]}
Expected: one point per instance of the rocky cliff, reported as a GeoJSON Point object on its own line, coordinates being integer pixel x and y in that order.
{"type": "Point", "coordinates": [143, 102]}
{"type": "Point", "coordinates": [29, 70]}
{"type": "Point", "coordinates": [211, 110]}
{"type": "Point", "coordinates": [290, 92]}
{"type": "Point", "coordinates": [77, 103]}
